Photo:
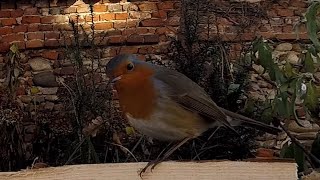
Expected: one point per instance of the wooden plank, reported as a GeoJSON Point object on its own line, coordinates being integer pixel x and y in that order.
{"type": "Point", "coordinates": [222, 170]}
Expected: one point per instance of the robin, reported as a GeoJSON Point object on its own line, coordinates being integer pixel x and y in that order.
{"type": "Point", "coordinates": [166, 105]}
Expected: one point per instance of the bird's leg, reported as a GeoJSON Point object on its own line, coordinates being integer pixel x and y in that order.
{"type": "Point", "coordinates": [154, 163]}
{"type": "Point", "coordinates": [169, 152]}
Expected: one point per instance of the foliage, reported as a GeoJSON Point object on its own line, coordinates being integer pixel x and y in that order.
{"type": "Point", "coordinates": [295, 85]}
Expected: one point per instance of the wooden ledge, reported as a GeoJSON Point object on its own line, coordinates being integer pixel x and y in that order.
{"type": "Point", "coordinates": [240, 170]}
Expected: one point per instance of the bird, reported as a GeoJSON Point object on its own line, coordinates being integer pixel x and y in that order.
{"type": "Point", "coordinates": [166, 105]}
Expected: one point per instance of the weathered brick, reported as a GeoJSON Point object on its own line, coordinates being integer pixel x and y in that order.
{"type": "Point", "coordinates": [20, 44]}
{"type": "Point", "coordinates": [62, 27]}
{"type": "Point", "coordinates": [5, 30]}
{"type": "Point", "coordinates": [4, 47]}
{"type": "Point", "coordinates": [52, 35]}
{"type": "Point", "coordinates": [47, 20]}
{"type": "Point", "coordinates": [142, 30]}
{"type": "Point", "coordinates": [287, 29]}
{"type": "Point", "coordinates": [7, 5]}
{"type": "Point", "coordinates": [33, 27]}
{"type": "Point", "coordinates": [69, 10]}
{"type": "Point", "coordinates": [298, 3]}
{"type": "Point", "coordinates": [148, 7]}
{"type": "Point", "coordinates": [173, 21]}
{"type": "Point", "coordinates": [35, 35]}
{"type": "Point", "coordinates": [128, 49]}
{"type": "Point", "coordinates": [13, 37]}
{"type": "Point", "coordinates": [107, 17]}
{"type": "Point", "coordinates": [114, 7]}
{"type": "Point", "coordinates": [8, 21]}
{"type": "Point", "coordinates": [51, 43]}
{"type": "Point", "coordinates": [116, 39]}
{"type": "Point", "coordinates": [159, 14]}
{"type": "Point", "coordinates": [135, 39]}
{"type": "Point", "coordinates": [45, 27]}
{"type": "Point", "coordinates": [83, 8]}
{"type": "Point", "coordinates": [285, 12]}
{"type": "Point", "coordinates": [166, 5]}
{"type": "Point", "coordinates": [119, 25]}
{"type": "Point", "coordinates": [100, 8]}
{"type": "Point", "coordinates": [51, 54]}
{"type": "Point", "coordinates": [121, 16]}
{"type": "Point", "coordinates": [61, 19]}
{"type": "Point", "coordinates": [16, 13]}
{"type": "Point", "coordinates": [20, 28]}
{"type": "Point", "coordinates": [76, 18]}
{"type": "Point", "coordinates": [30, 19]}
{"type": "Point", "coordinates": [286, 36]}
{"type": "Point", "coordinates": [88, 18]}
{"type": "Point", "coordinates": [104, 26]}
{"type": "Point", "coordinates": [55, 11]}
{"type": "Point", "coordinates": [152, 23]}
{"type": "Point", "coordinates": [4, 14]}
{"type": "Point", "coordinates": [31, 11]}
{"type": "Point", "coordinates": [152, 38]}
{"type": "Point", "coordinates": [114, 32]}
{"type": "Point", "coordinates": [34, 43]}
{"type": "Point", "coordinates": [129, 31]}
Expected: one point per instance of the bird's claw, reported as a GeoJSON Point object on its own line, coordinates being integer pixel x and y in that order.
{"type": "Point", "coordinates": [153, 164]}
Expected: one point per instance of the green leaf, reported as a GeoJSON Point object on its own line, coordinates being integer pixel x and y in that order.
{"type": "Point", "coordinates": [130, 130]}
{"type": "Point", "coordinates": [312, 26]}
{"type": "Point", "coordinates": [311, 99]}
{"type": "Point", "coordinates": [233, 88]}
{"type": "Point", "coordinates": [288, 70]}
{"type": "Point", "coordinates": [282, 105]}
{"type": "Point", "coordinates": [276, 74]}
{"type": "Point", "coordinates": [265, 55]}
{"type": "Point", "coordinates": [308, 63]}
{"type": "Point", "coordinates": [287, 151]}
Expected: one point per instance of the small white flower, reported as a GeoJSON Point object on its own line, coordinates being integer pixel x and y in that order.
{"type": "Point", "coordinates": [303, 88]}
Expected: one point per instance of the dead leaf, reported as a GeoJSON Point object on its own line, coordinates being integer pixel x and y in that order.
{"type": "Point", "coordinates": [93, 127]}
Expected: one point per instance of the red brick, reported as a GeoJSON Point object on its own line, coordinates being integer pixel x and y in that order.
{"type": "Point", "coordinates": [263, 152]}
{"type": "Point", "coordinates": [4, 47]}
{"type": "Point", "coordinates": [20, 44]}
{"type": "Point", "coordinates": [13, 37]}
{"type": "Point", "coordinates": [8, 21]}
{"type": "Point", "coordinates": [285, 12]}
{"type": "Point", "coordinates": [33, 27]}
{"type": "Point", "coordinates": [152, 23]}
{"type": "Point", "coordinates": [173, 21]}
{"type": "Point", "coordinates": [287, 29]}
{"type": "Point", "coordinates": [116, 39]}
{"type": "Point", "coordinates": [107, 17]}
{"type": "Point", "coordinates": [152, 38]}
{"type": "Point", "coordinates": [61, 19]}
{"type": "Point", "coordinates": [31, 11]}
{"type": "Point", "coordinates": [34, 43]}
{"type": "Point", "coordinates": [129, 31]}
{"type": "Point", "coordinates": [272, 13]}
{"type": "Point", "coordinates": [143, 50]}
{"type": "Point", "coordinates": [76, 18]}
{"type": "Point", "coordinates": [100, 8]}
{"type": "Point", "coordinates": [119, 25]}
{"type": "Point", "coordinates": [121, 16]}
{"type": "Point", "coordinates": [30, 19]}
{"type": "Point", "coordinates": [159, 14]}
{"type": "Point", "coordinates": [166, 5]}
{"type": "Point", "coordinates": [52, 35]}
{"type": "Point", "coordinates": [103, 26]}
{"type": "Point", "coordinates": [114, 32]}
{"type": "Point", "coordinates": [51, 43]}
{"type": "Point", "coordinates": [267, 35]}
{"type": "Point", "coordinates": [135, 39]}
{"type": "Point", "coordinates": [163, 38]}
{"type": "Point", "coordinates": [298, 3]}
{"type": "Point", "coordinates": [17, 13]}
{"type": "Point", "coordinates": [132, 23]}
{"type": "Point", "coordinates": [128, 49]}
{"type": "Point", "coordinates": [20, 28]}
{"type": "Point", "coordinates": [148, 7]}
{"type": "Point", "coordinates": [4, 14]}
{"type": "Point", "coordinates": [5, 30]}
{"type": "Point", "coordinates": [142, 30]}
{"type": "Point", "coordinates": [45, 27]}
{"type": "Point", "coordinates": [152, 30]}
{"type": "Point", "coordinates": [47, 20]}
{"type": "Point", "coordinates": [163, 30]}
{"type": "Point", "coordinates": [35, 35]}
{"type": "Point", "coordinates": [53, 55]}
{"type": "Point", "coordinates": [89, 18]}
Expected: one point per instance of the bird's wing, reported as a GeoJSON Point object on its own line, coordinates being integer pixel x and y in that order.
{"type": "Point", "coordinates": [190, 95]}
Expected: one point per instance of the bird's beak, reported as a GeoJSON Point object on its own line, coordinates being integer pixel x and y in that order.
{"type": "Point", "coordinates": [116, 79]}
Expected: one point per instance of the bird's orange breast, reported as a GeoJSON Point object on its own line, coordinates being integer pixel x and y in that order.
{"type": "Point", "coordinates": [137, 95]}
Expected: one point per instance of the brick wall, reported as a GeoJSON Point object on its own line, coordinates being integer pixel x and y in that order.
{"type": "Point", "coordinates": [39, 28]}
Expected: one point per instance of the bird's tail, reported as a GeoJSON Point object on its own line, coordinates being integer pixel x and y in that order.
{"type": "Point", "coordinates": [240, 120]}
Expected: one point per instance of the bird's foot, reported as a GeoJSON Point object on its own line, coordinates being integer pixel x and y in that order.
{"type": "Point", "coordinates": [153, 164]}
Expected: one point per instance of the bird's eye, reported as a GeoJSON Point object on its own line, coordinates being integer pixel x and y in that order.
{"type": "Point", "coordinates": [130, 66]}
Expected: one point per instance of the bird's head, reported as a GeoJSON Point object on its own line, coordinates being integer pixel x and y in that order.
{"type": "Point", "coordinates": [127, 68]}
